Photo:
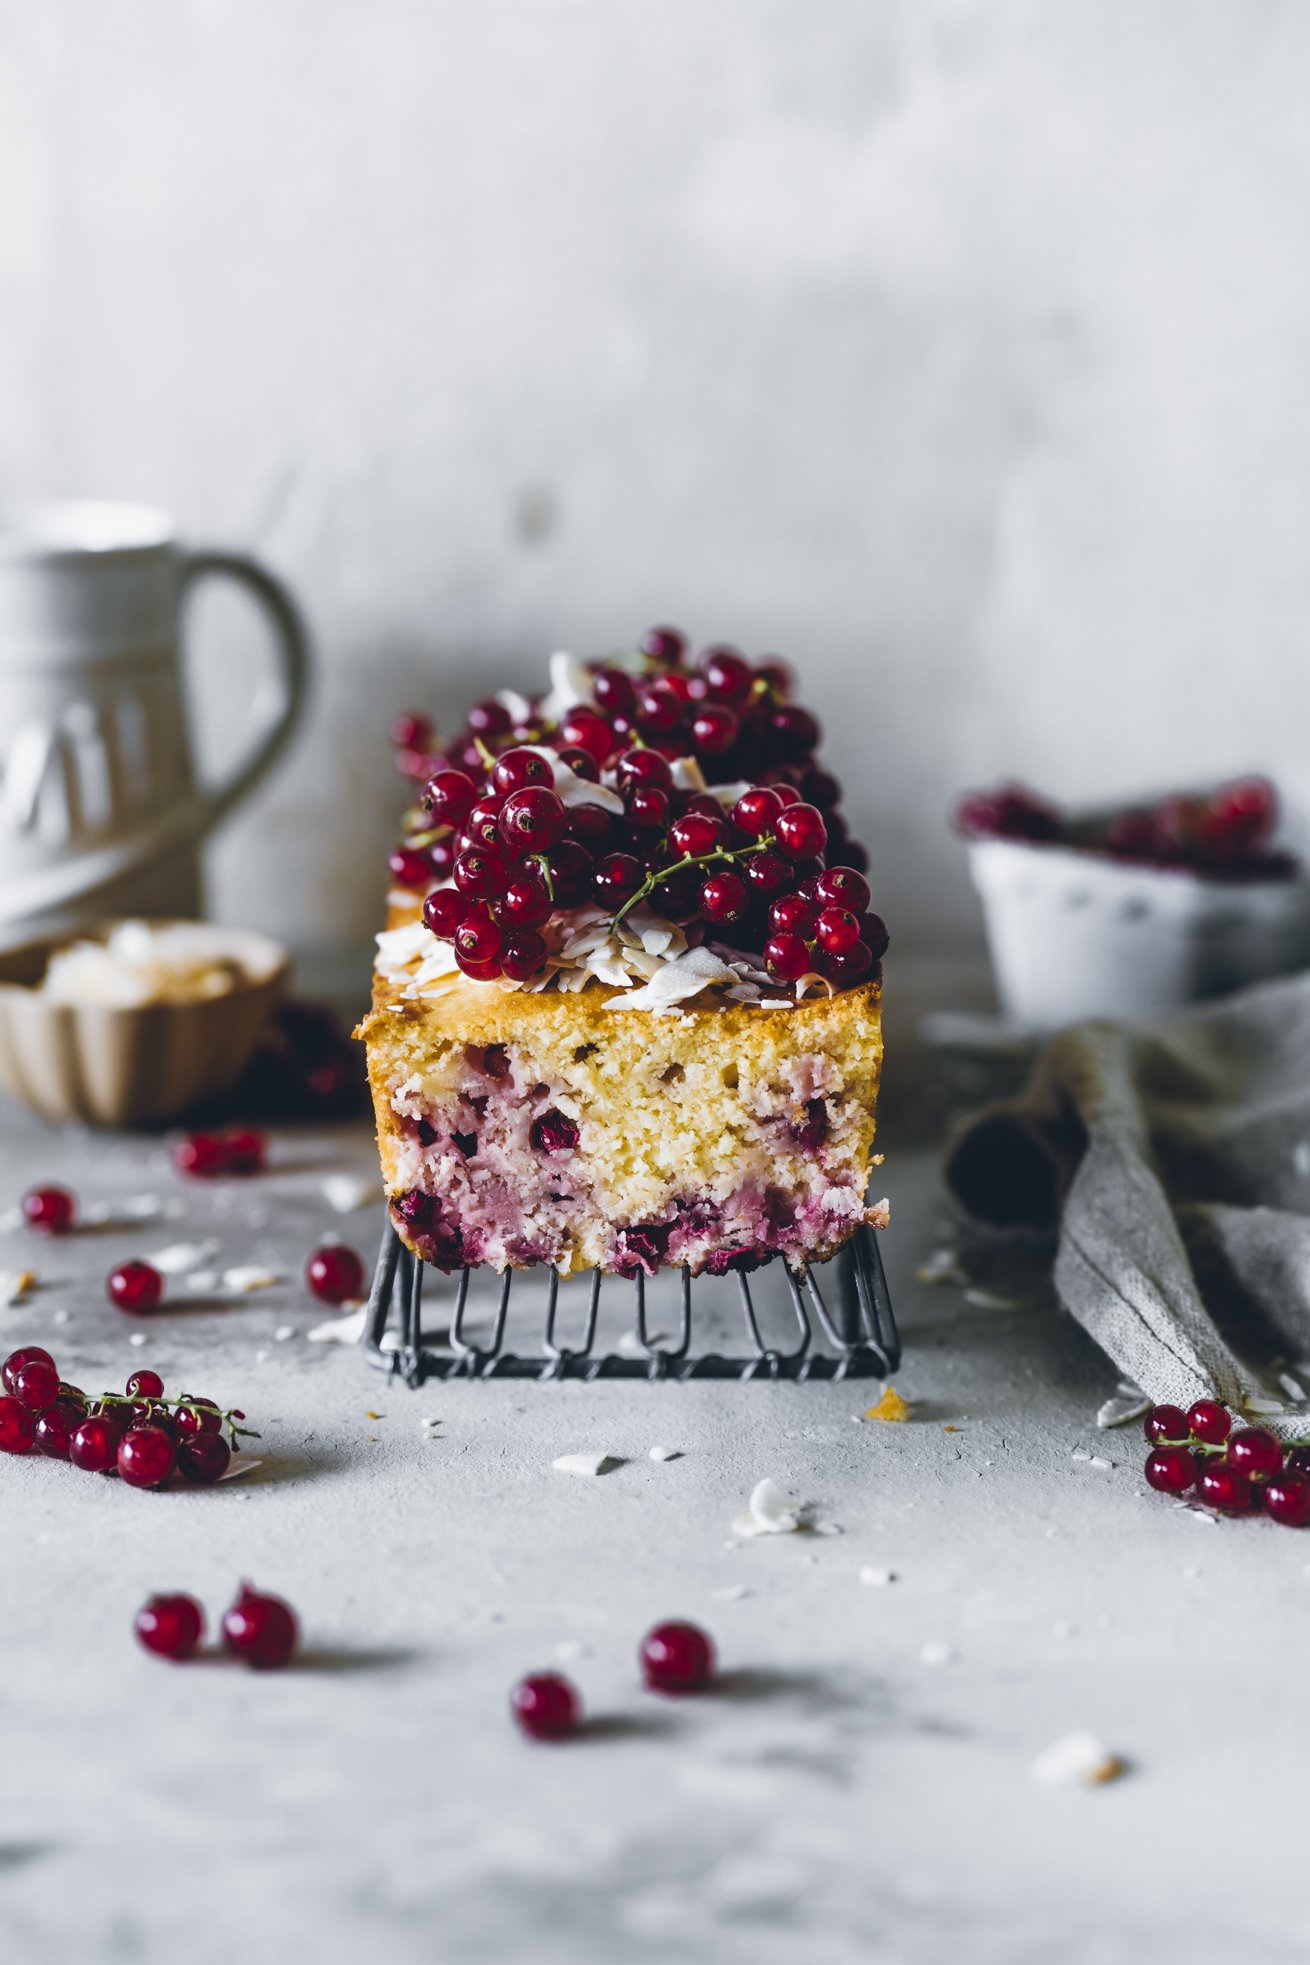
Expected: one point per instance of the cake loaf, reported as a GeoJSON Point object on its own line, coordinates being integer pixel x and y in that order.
{"type": "Point", "coordinates": [626, 1006]}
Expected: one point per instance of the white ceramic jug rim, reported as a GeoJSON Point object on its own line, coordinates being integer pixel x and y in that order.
{"type": "Point", "coordinates": [71, 528]}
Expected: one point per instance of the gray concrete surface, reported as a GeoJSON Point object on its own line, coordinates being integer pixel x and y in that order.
{"type": "Point", "coordinates": [836, 1798]}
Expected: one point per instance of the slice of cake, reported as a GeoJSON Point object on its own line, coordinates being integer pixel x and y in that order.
{"type": "Point", "coordinates": [626, 1009]}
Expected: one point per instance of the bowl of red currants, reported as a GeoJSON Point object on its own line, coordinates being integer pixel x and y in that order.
{"type": "Point", "coordinates": [1136, 910]}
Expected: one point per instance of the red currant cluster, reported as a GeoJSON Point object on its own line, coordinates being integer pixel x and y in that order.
{"type": "Point", "coordinates": [1224, 833]}
{"type": "Point", "coordinates": [259, 1629]}
{"type": "Point", "coordinates": [675, 1658]}
{"type": "Point", "coordinates": [138, 1434]}
{"type": "Point", "coordinates": [511, 855]}
{"type": "Point", "coordinates": [1198, 1452]}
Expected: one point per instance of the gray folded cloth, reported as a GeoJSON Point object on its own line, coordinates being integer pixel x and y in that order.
{"type": "Point", "coordinates": [1172, 1162]}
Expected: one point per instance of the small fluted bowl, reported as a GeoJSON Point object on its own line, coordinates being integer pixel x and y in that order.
{"type": "Point", "coordinates": [138, 1065]}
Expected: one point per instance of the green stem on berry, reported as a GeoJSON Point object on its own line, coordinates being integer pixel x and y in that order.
{"type": "Point", "coordinates": [488, 756]}
{"type": "Point", "coordinates": [542, 862]}
{"type": "Point", "coordinates": [729, 853]}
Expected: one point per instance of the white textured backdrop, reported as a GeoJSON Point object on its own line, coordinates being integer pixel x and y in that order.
{"type": "Point", "coordinates": [954, 350]}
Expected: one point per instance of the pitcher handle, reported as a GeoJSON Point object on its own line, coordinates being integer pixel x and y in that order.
{"type": "Point", "coordinates": [291, 645]}
{"type": "Point", "coordinates": [55, 887]}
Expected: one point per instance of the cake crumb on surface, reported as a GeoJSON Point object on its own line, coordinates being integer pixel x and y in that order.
{"type": "Point", "coordinates": [890, 1406]}
{"type": "Point", "coordinates": [1077, 1760]}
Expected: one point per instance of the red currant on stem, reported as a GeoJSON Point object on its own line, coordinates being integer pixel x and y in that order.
{"type": "Point", "coordinates": [135, 1287]}
{"type": "Point", "coordinates": [677, 1657]}
{"type": "Point", "coordinates": [645, 767]}
{"type": "Point", "coordinates": [647, 808]}
{"type": "Point", "coordinates": [714, 730]}
{"type": "Point", "coordinates": [614, 689]}
{"type": "Point", "coordinates": [589, 732]}
{"type": "Point", "coordinates": [1286, 1498]}
{"type": "Point", "coordinates": [203, 1458]}
{"type": "Point", "coordinates": [489, 719]}
{"type": "Point", "coordinates": [450, 797]}
{"type": "Point", "coordinates": [478, 938]}
{"type": "Point", "coordinates": [1164, 1423]}
{"type": "Point", "coordinates": [848, 967]}
{"type": "Point", "coordinates": [26, 1354]}
{"type": "Point", "coordinates": [659, 708]}
{"type": "Point", "coordinates": [767, 873]}
{"type": "Point", "coordinates": [443, 911]}
{"type": "Point", "coordinates": [481, 873]}
{"type": "Point", "coordinates": [546, 1706]}
{"type": "Point", "coordinates": [837, 930]}
{"type": "Point", "coordinates": [792, 914]}
{"type": "Point", "coordinates": [246, 1153]}
{"type": "Point", "coordinates": [200, 1154]}
{"type": "Point", "coordinates": [695, 834]}
{"type": "Point", "coordinates": [1209, 1421]}
{"type": "Point", "coordinates": [1170, 1470]}
{"type": "Point", "coordinates": [412, 732]}
{"type": "Point", "coordinates": [756, 810]}
{"type": "Point", "coordinates": [1225, 1488]}
{"type": "Point", "coordinates": [56, 1426]}
{"type": "Point", "coordinates": [663, 644]}
{"type": "Point", "coordinates": [49, 1209]}
{"type": "Point", "coordinates": [532, 819]}
{"type": "Point", "coordinates": [516, 769]}
{"type": "Point", "coordinates": [616, 879]}
{"type": "Point", "coordinates": [336, 1274]}
{"type": "Point", "coordinates": [94, 1444]}
{"type": "Point", "coordinates": [726, 672]}
{"type": "Point", "coordinates": [171, 1625]}
{"type": "Point", "coordinates": [1253, 1450]}
{"type": "Point", "coordinates": [523, 955]}
{"type": "Point", "coordinates": [146, 1456]}
{"type": "Point", "coordinates": [409, 868]}
{"type": "Point", "coordinates": [800, 831]}
{"type": "Point", "coordinates": [17, 1426]}
{"type": "Point", "coordinates": [722, 897]}
{"type": "Point", "coordinates": [261, 1630]}
{"type": "Point", "coordinates": [786, 957]}
{"type": "Point", "coordinates": [36, 1385]}
{"type": "Point", "coordinates": [198, 1416]}
{"type": "Point", "coordinates": [842, 887]}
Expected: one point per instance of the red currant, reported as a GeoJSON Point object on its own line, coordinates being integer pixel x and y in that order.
{"type": "Point", "coordinates": [36, 1385]}
{"type": "Point", "coordinates": [1226, 1488]}
{"type": "Point", "coordinates": [714, 730]}
{"type": "Point", "coordinates": [616, 880]}
{"type": "Point", "coordinates": [524, 903]}
{"type": "Point", "coordinates": [533, 819]}
{"type": "Point", "coordinates": [767, 873]}
{"type": "Point", "coordinates": [668, 645]}
{"type": "Point", "coordinates": [197, 1416]}
{"type": "Point", "coordinates": [800, 831]}
{"type": "Point", "coordinates": [412, 732]}
{"type": "Point", "coordinates": [590, 827]}
{"type": "Point", "coordinates": [51, 1209]}
{"type": "Point", "coordinates": [786, 957]}
{"type": "Point", "coordinates": [726, 673]}
{"type": "Point", "coordinates": [695, 834]}
{"type": "Point", "coordinates": [523, 956]}
{"type": "Point", "coordinates": [56, 1426]}
{"type": "Point", "coordinates": [581, 763]}
{"type": "Point", "coordinates": [647, 808]}
{"type": "Point", "coordinates": [482, 826]}
{"type": "Point", "coordinates": [443, 912]}
{"type": "Point", "coordinates": [848, 967]}
{"type": "Point", "coordinates": [481, 873]}
{"type": "Point", "coordinates": [145, 1385]}
{"type": "Point", "coordinates": [489, 719]}
{"type": "Point", "coordinates": [1287, 1499]}
{"type": "Point", "coordinates": [260, 1629]}
{"type": "Point", "coordinates": [201, 1154]}
{"type": "Point", "coordinates": [756, 810]}
{"type": "Point", "coordinates": [837, 930]}
{"type": "Point", "coordinates": [516, 769]}
{"type": "Point", "coordinates": [135, 1287]}
{"type": "Point", "coordinates": [614, 689]}
{"type": "Point", "coordinates": [1298, 1459]}
{"type": "Point", "coordinates": [568, 868]}
{"type": "Point", "coordinates": [546, 1706]}
{"type": "Point", "coordinates": [1253, 1450]}
{"type": "Point", "coordinates": [1163, 1423]}
{"type": "Point", "coordinates": [677, 1657]}
{"type": "Point", "coordinates": [336, 1274]}
{"type": "Point", "coordinates": [1170, 1470]}
{"type": "Point", "coordinates": [204, 1458]}
{"type": "Point", "coordinates": [644, 767]}
{"type": "Point", "coordinates": [171, 1626]}
{"type": "Point", "coordinates": [17, 1426]}
{"type": "Point", "coordinates": [722, 897]}
{"type": "Point", "coordinates": [26, 1354]}
{"type": "Point", "coordinates": [1210, 1421]}
{"type": "Point", "coordinates": [842, 887]}
{"type": "Point", "coordinates": [450, 797]}
{"type": "Point", "coordinates": [553, 1132]}
{"type": "Point", "coordinates": [478, 937]}
{"type": "Point", "coordinates": [659, 708]}
{"type": "Point", "coordinates": [146, 1456]}
{"type": "Point", "coordinates": [94, 1444]}
{"type": "Point", "coordinates": [795, 732]}
{"type": "Point", "coordinates": [589, 732]}
{"type": "Point", "coordinates": [246, 1153]}
{"type": "Point", "coordinates": [874, 930]}
{"type": "Point", "coordinates": [409, 868]}
{"type": "Point", "coordinates": [792, 914]}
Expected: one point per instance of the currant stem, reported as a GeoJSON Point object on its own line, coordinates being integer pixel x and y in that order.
{"type": "Point", "coordinates": [729, 853]}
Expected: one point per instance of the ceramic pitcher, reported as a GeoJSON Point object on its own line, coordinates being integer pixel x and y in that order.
{"type": "Point", "coordinates": [100, 811]}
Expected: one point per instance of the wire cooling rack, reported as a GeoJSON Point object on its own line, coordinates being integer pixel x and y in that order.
{"type": "Point", "coordinates": [855, 1337]}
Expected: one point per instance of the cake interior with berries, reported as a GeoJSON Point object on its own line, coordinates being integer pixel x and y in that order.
{"type": "Point", "coordinates": [626, 1008]}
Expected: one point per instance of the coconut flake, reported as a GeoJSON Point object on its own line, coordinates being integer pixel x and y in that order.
{"type": "Point", "coordinates": [179, 1257]}
{"type": "Point", "coordinates": [248, 1276]}
{"type": "Point", "coordinates": [588, 1465]}
{"type": "Point", "coordinates": [346, 1192]}
{"type": "Point", "coordinates": [770, 1511]}
{"type": "Point", "coordinates": [1077, 1760]}
{"type": "Point", "coordinates": [665, 1453]}
{"type": "Point", "coordinates": [875, 1578]}
{"type": "Point", "coordinates": [1129, 1402]}
{"type": "Point", "coordinates": [686, 975]}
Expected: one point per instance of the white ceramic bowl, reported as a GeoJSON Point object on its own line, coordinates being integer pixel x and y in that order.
{"type": "Point", "coordinates": [142, 1065]}
{"type": "Point", "coordinates": [1075, 935]}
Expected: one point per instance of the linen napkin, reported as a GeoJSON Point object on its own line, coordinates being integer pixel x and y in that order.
{"type": "Point", "coordinates": [1171, 1160]}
